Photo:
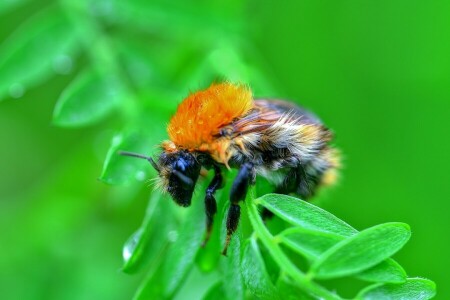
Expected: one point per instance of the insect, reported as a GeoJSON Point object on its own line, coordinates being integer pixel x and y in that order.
{"type": "Point", "coordinates": [223, 127]}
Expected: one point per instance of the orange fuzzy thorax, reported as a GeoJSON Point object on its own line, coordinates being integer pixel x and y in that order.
{"type": "Point", "coordinates": [201, 114]}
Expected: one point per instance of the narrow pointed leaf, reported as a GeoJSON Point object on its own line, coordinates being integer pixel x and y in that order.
{"type": "Point", "coordinates": [312, 244]}
{"type": "Point", "coordinates": [89, 98]}
{"type": "Point", "coordinates": [229, 265]}
{"type": "Point", "coordinates": [179, 259]}
{"type": "Point", "coordinates": [254, 272]}
{"type": "Point", "coordinates": [305, 215]}
{"type": "Point", "coordinates": [309, 243]}
{"type": "Point", "coordinates": [361, 251]}
{"type": "Point", "coordinates": [142, 137]}
{"type": "Point", "coordinates": [149, 242]}
{"type": "Point", "coordinates": [43, 46]}
{"type": "Point", "coordinates": [412, 289]}
{"type": "Point", "coordinates": [118, 169]}
{"type": "Point", "coordinates": [386, 271]}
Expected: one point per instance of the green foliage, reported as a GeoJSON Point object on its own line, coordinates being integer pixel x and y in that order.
{"type": "Point", "coordinates": [40, 47]}
{"type": "Point", "coordinates": [121, 78]}
{"type": "Point", "coordinates": [89, 98]}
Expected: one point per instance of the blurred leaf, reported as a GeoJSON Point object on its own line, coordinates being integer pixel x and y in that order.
{"type": "Point", "coordinates": [8, 5]}
{"type": "Point", "coordinates": [361, 251]}
{"type": "Point", "coordinates": [254, 272]}
{"type": "Point", "coordinates": [41, 47]}
{"type": "Point", "coordinates": [227, 63]}
{"type": "Point", "coordinates": [412, 289]}
{"type": "Point", "coordinates": [89, 98]}
{"type": "Point", "coordinates": [386, 271]}
{"type": "Point", "coordinates": [215, 292]}
{"type": "Point", "coordinates": [149, 242]}
{"type": "Point", "coordinates": [179, 259]}
{"type": "Point", "coordinates": [312, 244]}
{"type": "Point", "coordinates": [305, 215]}
{"type": "Point", "coordinates": [289, 291]}
{"type": "Point", "coordinates": [179, 20]}
{"type": "Point", "coordinates": [143, 136]}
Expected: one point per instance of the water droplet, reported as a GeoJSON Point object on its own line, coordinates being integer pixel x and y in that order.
{"type": "Point", "coordinates": [140, 176]}
{"type": "Point", "coordinates": [172, 236]}
{"type": "Point", "coordinates": [117, 140]}
{"type": "Point", "coordinates": [62, 64]}
{"type": "Point", "coordinates": [16, 90]}
{"type": "Point", "coordinates": [131, 244]}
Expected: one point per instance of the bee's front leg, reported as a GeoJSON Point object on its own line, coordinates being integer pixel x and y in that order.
{"type": "Point", "coordinates": [245, 177]}
{"type": "Point", "coordinates": [210, 202]}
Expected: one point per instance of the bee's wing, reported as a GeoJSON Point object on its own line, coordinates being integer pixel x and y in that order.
{"type": "Point", "coordinates": [268, 112]}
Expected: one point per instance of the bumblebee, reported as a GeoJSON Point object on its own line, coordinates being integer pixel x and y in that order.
{"type": "Point", "coordinates": [223, 127]}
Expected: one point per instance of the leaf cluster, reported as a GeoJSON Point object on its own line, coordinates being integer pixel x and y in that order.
{"type": "Point", "coordinates": [313, 246]}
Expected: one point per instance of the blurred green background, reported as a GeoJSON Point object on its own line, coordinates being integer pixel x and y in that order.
{"type": "Point", "coordinates": [376, 72]}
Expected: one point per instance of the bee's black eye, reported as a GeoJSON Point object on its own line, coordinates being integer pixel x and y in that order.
{"type": "Point", "coordinates": [181, 164]}
{"type": "Point", "coordinates": [183, 175]}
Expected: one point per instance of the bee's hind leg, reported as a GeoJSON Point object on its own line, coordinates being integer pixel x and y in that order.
{"type": "Point", "coordinates": [210, 202]}
{"type": "Point", "coordinates": [245, 177]}
{"type": "Point", "coordinates": [296, 181]}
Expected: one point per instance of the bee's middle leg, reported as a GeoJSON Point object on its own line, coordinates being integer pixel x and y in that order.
{"type": "Point", "coordinates": [245, 177]}
{"type": "Point", "coordinates": [210, 202]}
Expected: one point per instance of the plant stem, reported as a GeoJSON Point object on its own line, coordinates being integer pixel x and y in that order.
{"type": "Point", "coordinates": [280, 258]}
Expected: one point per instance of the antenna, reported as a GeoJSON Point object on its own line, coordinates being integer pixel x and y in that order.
{"type": "Point", "coordinates": [132, 154]}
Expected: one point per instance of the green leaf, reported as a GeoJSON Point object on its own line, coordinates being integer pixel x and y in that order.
{"type": "Point", "coordinates": [305, 215]}
{"type": "Point", "coordinates": [89, 98]}
{"type": "Point", "coordinates": [210, 255]}
{"type": "Point", "coordinates": [254, 272]}
{"type": "Point", "coordinates": [8, 5]}
{"type": "Point", "coordinates": [152, 238]}
{"type": "Point", "coordinates": [230, 265]}
{"type": "Point", "coordinates": [143, 139]}
{"type": "Point", "coordinates": [142, 136]}
{"type": "Point", "coordinates": [412, 289]}
{"type": "Point", "coordinates": [361, 251]}
{"type": "Point", "coordinates": [208, 21]}
{"type": "Point", "coordinates": [386, 271]}
{"type": "Point", "coordinates": [118, 169]}
{"type": "Point", "coordinates": [311, 244]}
{"type": "Point", "coordinates": [215, 292]}
{"type": "Point", "coordinates": [179, 259]}
{"type": "Point", "coordinates": [289, 291]}
{"type": "Point", "coordinates": [41, 47]}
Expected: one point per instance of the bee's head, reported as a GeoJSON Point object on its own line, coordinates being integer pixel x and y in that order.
{"type": "Point", "coordinates": [179, 172]}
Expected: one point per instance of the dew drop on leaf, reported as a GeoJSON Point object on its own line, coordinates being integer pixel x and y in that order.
{"type": "Point", "coordinates": [131, 244]}
{"type": "Point", "coordinates": [62, 64]}
{"type": "Point", "coordinates": [140, 176]}
{"type": "Point", "coordinates": [172, 236]}
{"type": "Point", "coordinates": [117, 140]}
{"type": "Point", "coordinates": [16, 90]}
